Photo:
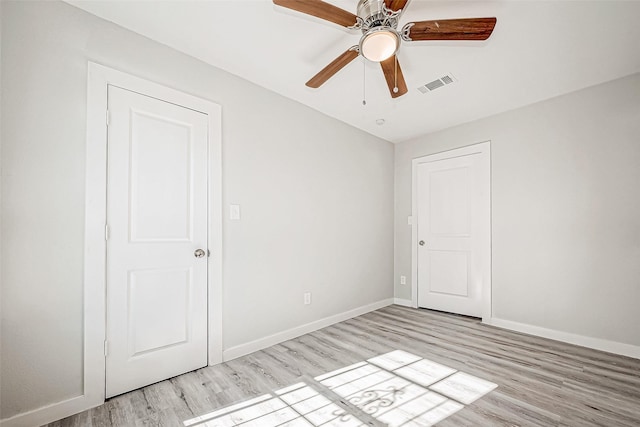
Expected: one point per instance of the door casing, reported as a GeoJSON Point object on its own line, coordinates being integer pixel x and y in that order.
{"type": "Point", "coordinates": [484, 149]}
{"type": "Point", "coordinates": [99, 77]}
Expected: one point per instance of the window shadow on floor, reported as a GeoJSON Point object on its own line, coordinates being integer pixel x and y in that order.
{"type": "Point", "coordinates": [394, 389]}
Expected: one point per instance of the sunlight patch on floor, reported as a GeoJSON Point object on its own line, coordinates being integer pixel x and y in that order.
{"type": "Point", "coordinates": [394, 389]}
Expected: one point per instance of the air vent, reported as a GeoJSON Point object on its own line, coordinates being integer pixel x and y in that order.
{"type": "Point", "coordinates": [438, 83]}
{"type": "Point", "coordinates": [434, 84]}
{"type": "Point", "coordinates": [447, 79]}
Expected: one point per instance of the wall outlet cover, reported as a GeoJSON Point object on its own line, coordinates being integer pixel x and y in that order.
{"type": "Point", "coordinates": [234, 212]}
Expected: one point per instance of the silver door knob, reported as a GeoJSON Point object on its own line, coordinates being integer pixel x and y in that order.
{"type": "Point", "coordinates": [421, 242]}
{"type": "Point", "coordinates": [199, 253]}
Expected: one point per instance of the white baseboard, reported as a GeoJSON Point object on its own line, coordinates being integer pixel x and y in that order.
{"type": "Point", "coordinates": [50, 413]}
{"type": "Point", "coordinates": [403, 302]}
{"type": "Point", "coordinates": [277, 338]}
{"type": "Point", "coordinates": [59, 410]}
{"type": "Point", "coordinates": [581, 340]}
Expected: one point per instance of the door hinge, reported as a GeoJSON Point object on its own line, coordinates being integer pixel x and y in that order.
{"type": "Point", "coordinates": [106, 348]}
{"type": "Point", "coordinates": [208, 253]}
{"type": "Point", "coordinates": [106, 232]}
{"type": "Point", "coordinates": [107, 117]}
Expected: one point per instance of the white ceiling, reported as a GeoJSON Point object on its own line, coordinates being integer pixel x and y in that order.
{"type": "Point", "coordinates": [538, 50]}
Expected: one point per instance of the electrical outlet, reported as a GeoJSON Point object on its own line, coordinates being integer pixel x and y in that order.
{"type": "Point", "coordinates": [307, 298]}
{"type": "Point", "coordinates": [403, 280]}
{"type": "Point", "coordinates": [234, 212]}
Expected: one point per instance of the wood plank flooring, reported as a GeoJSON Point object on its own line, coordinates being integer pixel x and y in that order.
{"type": "Point", "coordinates": [540, 382]}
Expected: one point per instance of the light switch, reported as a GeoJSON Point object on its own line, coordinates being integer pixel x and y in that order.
{"type": "Point", "coordinates": [234, 212]}
{"type": "Point", "coordinates": [410, 220]}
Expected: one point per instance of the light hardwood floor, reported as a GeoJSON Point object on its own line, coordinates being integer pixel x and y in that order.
{"type": "Point", "coordinates": [540, 382]}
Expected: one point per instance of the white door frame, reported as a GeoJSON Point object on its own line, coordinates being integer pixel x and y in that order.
{"type": "Point", "coordinates": [484, 149]}
{"type": "Point", "coordinates": [99, 77]}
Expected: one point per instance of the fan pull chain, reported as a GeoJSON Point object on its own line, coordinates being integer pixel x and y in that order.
{"type": "Point", "coordinates": [364, 83]}
{"type": "Point", "coordinates": [395, 84]}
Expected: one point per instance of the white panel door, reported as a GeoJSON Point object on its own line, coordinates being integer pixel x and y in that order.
{"type": "Point", "coordinates": [452, 227]}
{"type": "Point", "coordinates": [157, 220]}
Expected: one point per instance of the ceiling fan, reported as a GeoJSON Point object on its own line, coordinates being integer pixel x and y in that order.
{"type": "Point", "coordinates": [380, 41]}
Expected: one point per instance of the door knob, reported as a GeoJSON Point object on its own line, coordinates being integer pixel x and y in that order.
{"type": "Point", "coordinates": [421, 242]}
{"type": "Point", "coordinates": [199, 253]}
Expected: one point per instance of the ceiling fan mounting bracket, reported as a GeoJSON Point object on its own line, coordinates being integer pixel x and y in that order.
{"type": "Point", "coordinates": [357, 25]}
{"type": "Point", "coordinates": [405, 33]}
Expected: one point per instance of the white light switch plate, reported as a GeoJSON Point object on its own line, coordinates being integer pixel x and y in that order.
{"type": "Point", "coordinates": [410, 220]}
{"type": "Point", "coordinates": [234, 212]}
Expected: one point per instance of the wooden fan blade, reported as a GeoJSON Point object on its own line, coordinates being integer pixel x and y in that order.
{"type": "Point", "coordinates": [393, 75]}
{"type": "Point", "coordinates": [452, 29]}
{"type": "Point", "coordinates": [336, 65]}
{"type": "Point", "coordinates": [395, 4]}
{"type": "Point", "coordinates": [321, 10]}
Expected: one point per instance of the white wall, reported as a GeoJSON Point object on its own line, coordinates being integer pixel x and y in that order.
{"type": "Point", "coordinates": [316, 197]}
{"type": "Point", "coordinates": [1, 175]}
{"type": "Point", "coordinates": [565, 210]}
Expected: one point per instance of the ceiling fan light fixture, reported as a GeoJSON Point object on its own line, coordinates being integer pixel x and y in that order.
{"type": "Point", "coordinates": [379, 43]}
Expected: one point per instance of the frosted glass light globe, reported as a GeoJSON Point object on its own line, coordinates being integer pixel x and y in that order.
{"type": "Point", "coordinates": [379, 45]}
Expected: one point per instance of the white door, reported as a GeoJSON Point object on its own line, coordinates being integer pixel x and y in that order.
{"type": "Point", "coordinates": [157, 222]}
{"type": "Point", "coordinates": [453, 231]}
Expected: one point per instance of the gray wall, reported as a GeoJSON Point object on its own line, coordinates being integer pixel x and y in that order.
{"type": "Point", "coordinates": [316, 197]}
{"type": "Point", "coordinates": [1, 175]}
{"type": "Point", "coordinates": [565, 210]}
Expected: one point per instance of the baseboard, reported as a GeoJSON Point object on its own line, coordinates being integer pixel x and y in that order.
{"type": "Point", "coordinates": [581, 340]}
{"type": "Point", "coordinates": [403, 302]}
{"type": "Point", "coordinates": [59, 410]}
{"type": "Point", "coordinates": [50, 413]}
{"type": "Point", "coordinates": [277, 338]}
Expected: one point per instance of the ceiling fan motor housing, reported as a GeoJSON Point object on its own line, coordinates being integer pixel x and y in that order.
{"type": "Point", "coordinates": [374, 13]}
{"type": "Point", "coordinates": [380, 39]}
